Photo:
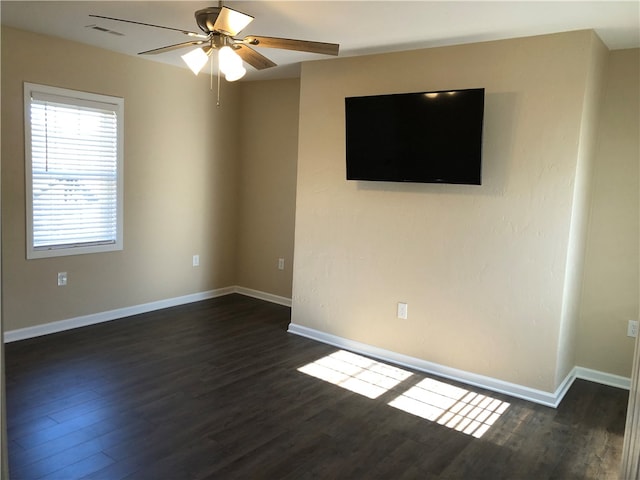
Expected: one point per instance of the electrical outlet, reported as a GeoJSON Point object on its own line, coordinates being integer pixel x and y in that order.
{"type": "Point", "coordinates": [62, 279]}
{"type": "Point", "coordinates": [196, 261]}
{"type": "Point", "coordinates": [402, 310]}
{"type": "Point", "coordinates": [281, 264]}
{"type": "Point", "coordinates": [632, 328]}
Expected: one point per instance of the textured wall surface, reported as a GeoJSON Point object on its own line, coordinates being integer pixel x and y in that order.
{"type": "Point", "coordinates": [611, 280]}
{"type": "Point", "coordinates": [482, 268]}
{"type": "Point", "coordinates": [574, 271]}
{"type": "Point", "coordinates": [267, 203]}
{"type": "Point", "coordinates": [180, 178]}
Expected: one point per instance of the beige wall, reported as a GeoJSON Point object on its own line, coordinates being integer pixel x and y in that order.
{"type": "Point", "coordinates": [610, 292]}
{"type": "Point", "coordinates": [483, 269]}
{"type": "Point", "coordinates": [268, 156]}
{"type": "Point", "coordinates": [180, 180]}
{"type": "Point", "coordinates": [594, 74]}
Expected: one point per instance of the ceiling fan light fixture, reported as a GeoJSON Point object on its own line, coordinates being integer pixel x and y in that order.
{"type": "Point", "coordinates": [229, 60]}
{"type": "Point", "coordinates": [230, 64]}
{"type": "Point", "coordinates": [236, 74]}
{"type": "Point", "coordinates": [230, 22]}
{"type": "Point", "coordinates": [196, 59]}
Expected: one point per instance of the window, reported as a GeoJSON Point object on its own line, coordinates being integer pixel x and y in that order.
{"type": "Point", "coordinates": [73, 151]}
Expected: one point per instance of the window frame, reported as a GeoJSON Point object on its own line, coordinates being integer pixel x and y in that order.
{"type": "Point", "coordinates": [74, 98]}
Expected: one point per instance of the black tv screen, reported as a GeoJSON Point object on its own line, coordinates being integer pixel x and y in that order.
{"type": "Point", "coordinates": [425, 137]}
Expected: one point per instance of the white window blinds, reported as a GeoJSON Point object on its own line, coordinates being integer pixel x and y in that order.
{"type": "Point", "coordinates": [74, 172]}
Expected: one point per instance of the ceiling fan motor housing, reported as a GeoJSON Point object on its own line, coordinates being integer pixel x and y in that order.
{"type": "Point", "coordinates": [206, 18]}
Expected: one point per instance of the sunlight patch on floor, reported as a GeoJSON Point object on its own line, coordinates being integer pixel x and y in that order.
{"type": "Point", "coordinates": [356, 373]}
{"type": "Point", "coordinates": [454, 407]}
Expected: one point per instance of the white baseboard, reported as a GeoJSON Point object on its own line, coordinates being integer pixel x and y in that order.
{"type": "Point", "coordinates": [603, 378]}
{"type": "Point", "coordinates": [550, 399]}
{"type": "Point", "coordinates": [92, 319]}
{"type": "Point", "coordinates": [269, 297]}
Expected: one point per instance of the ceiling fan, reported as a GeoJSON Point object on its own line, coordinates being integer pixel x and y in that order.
{"type": "Point", "coordinates": [220, 25]}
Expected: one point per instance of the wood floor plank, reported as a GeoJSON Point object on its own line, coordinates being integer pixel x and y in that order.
{"type": "Point", "coordinates": [212, 390]}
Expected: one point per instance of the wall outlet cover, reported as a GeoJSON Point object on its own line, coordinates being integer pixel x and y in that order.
{"type": "Point", "coordinates": [402, 310]}
{"type": "Point", "coordinates": [632, 328]}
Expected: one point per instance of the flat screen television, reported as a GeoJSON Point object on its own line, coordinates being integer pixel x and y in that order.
{"type": "Point", "coordinates": [425, 137]}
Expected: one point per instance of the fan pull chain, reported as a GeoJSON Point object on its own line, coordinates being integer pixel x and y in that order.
{"type": "Point", "coordinates": [211, 72]}
{"type": "Point", "coordinates": [218, 100]}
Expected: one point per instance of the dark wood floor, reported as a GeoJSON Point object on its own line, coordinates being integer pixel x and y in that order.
{"type": "Point", "coordinates": [212, 390]}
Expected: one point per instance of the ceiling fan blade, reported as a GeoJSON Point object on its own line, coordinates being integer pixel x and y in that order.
{"type": "Point", "coordinates": [168, 48]}
{"type": "Point", "coordinates": [231, 22]}
{"type": "Point", "coordinates": [253, 58]}
{"type": "Point", "coordinates": [186, 32]}
{"type": "Point", "coordinates": [288, 44]}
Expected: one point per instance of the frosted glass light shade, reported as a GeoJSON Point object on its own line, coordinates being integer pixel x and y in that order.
{"type": "Point", "coordinates": [195, 59]}
{"type": "Point", "coordinates": [236, 74]}
{"type": "Point", "coordinates": [229, 60]}
{"type": "Point", "coordinates": [230, 64]}
{"type": "Point", "coordinates": [230, 22]}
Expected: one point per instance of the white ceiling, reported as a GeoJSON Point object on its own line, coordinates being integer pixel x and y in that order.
{"type": "Point", "coordinates": [360, 27]}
